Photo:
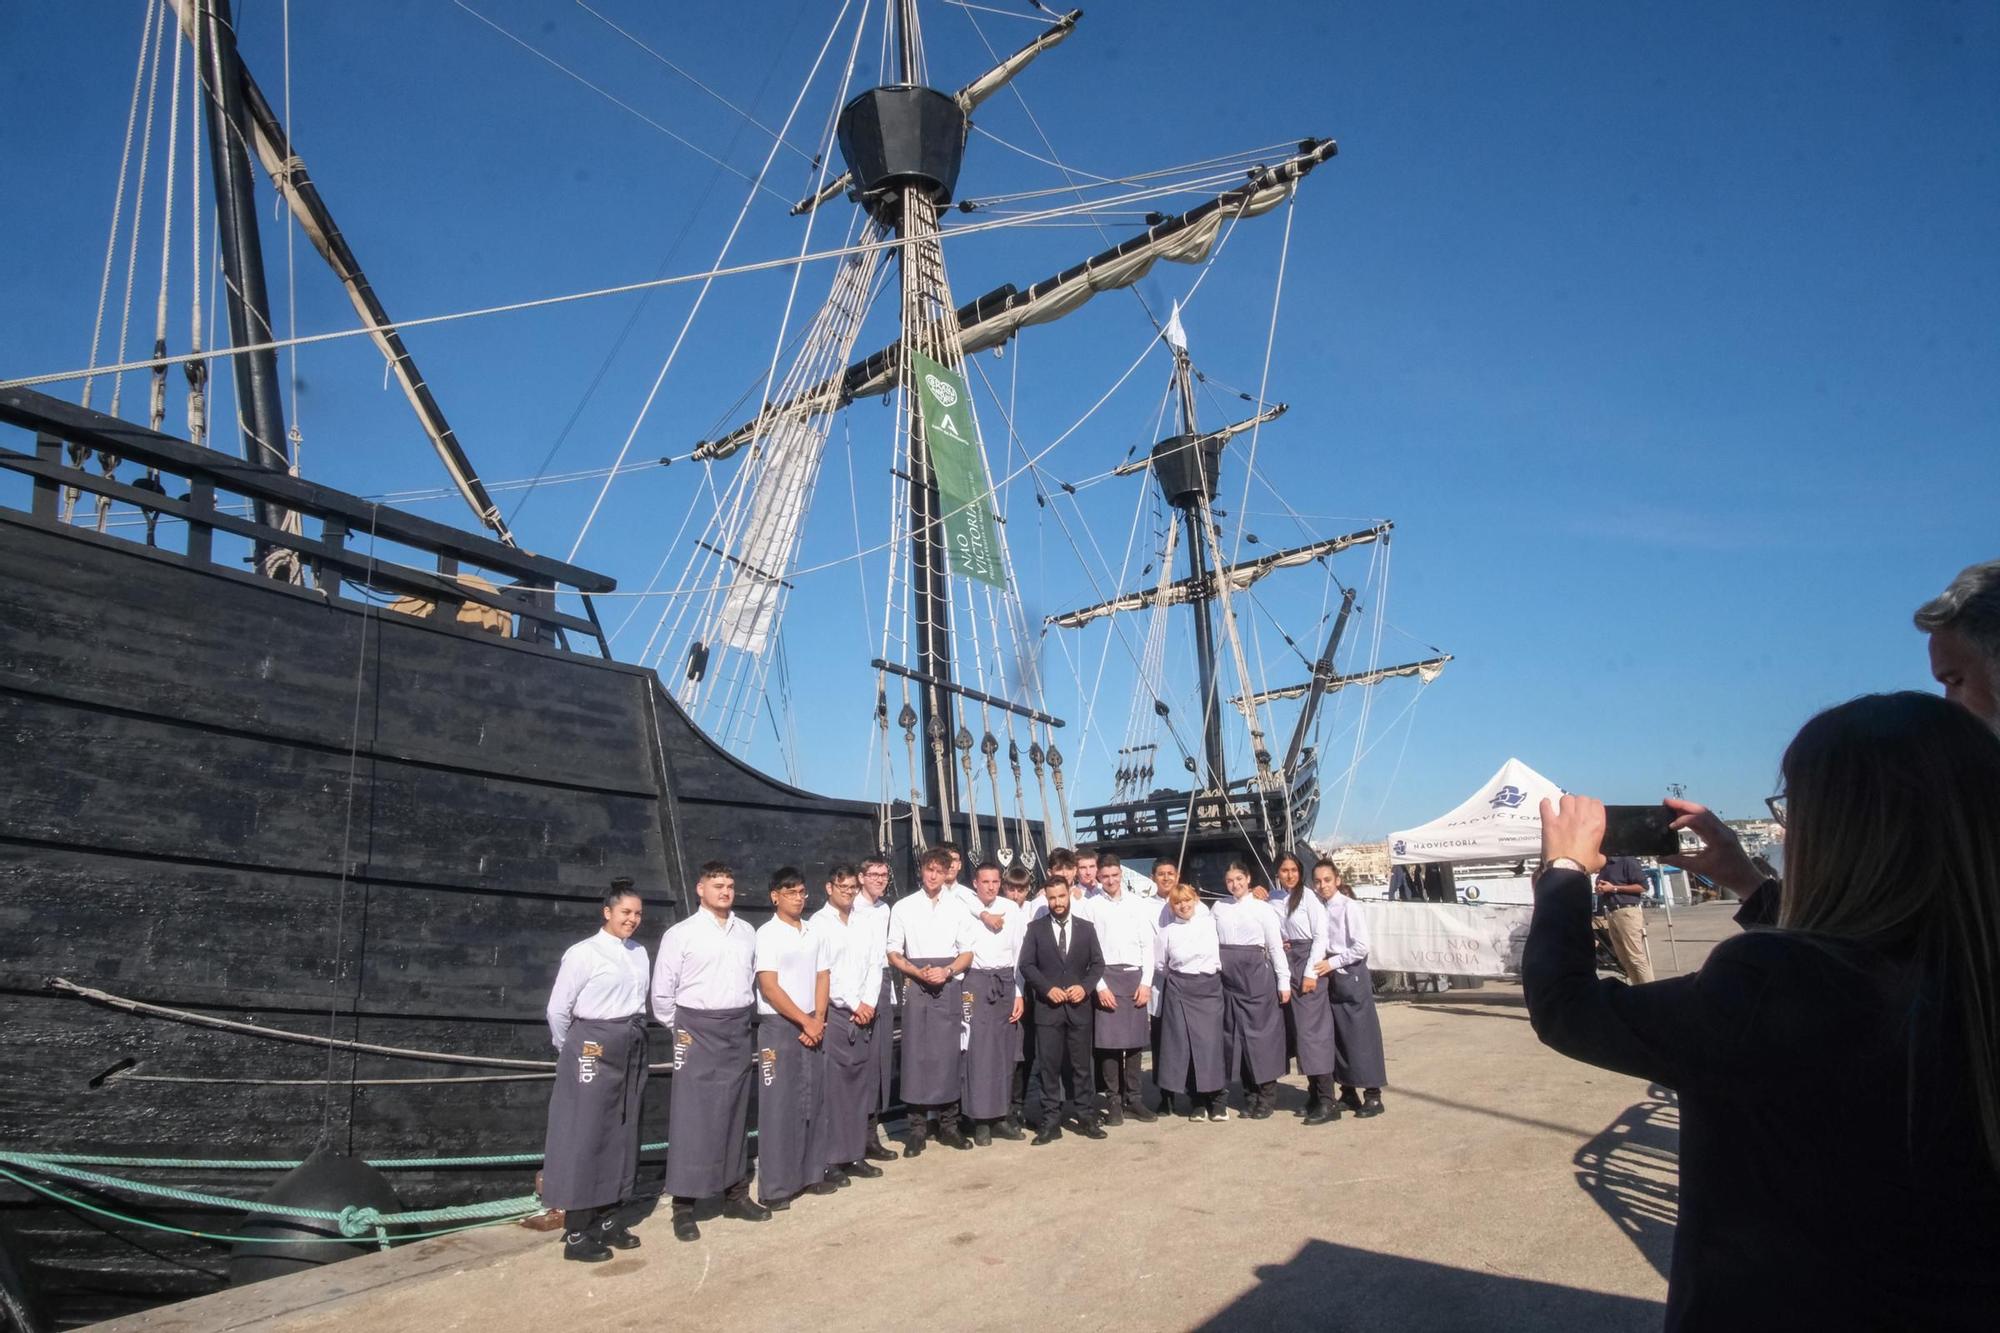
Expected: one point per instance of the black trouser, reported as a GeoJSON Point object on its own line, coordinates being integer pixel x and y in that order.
{"type": "Point", "coordinates": [1118, 1072]}
{"type": "Point", "coordinates": [739, 1192]}
{"type": "Point", "coordinates": [1062, 1050]}
{"type": "Point", "coordinates": [1019, 1095]}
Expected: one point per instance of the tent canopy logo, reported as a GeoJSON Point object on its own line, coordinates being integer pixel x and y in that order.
{"type": "Point", "coordinates": [1509, 796]}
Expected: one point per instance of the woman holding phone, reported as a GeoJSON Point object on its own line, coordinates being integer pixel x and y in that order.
{"type": "Point", "coordinates": [1879, 1206]}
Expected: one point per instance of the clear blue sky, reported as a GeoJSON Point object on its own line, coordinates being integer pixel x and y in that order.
{"type": "Point", "coordinates": [1666, 334]}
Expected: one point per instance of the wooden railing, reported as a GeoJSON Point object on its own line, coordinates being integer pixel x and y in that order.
{"type": "Point", "coordinates": [532, 580]}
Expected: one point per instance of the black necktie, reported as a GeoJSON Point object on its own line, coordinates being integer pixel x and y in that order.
{"type": "Point", "coordinates": [1062, 937]}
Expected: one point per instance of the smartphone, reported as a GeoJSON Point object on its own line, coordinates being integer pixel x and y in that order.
{"type": "Point", "coordinates": [1640, 830]}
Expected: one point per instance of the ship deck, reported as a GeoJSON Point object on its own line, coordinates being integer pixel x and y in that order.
{"type": "Point", "coordinates": [1507, 1187]}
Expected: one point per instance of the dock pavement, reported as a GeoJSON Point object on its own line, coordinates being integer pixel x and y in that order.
{"type": "Point", "coordinates": [1506, 1188]}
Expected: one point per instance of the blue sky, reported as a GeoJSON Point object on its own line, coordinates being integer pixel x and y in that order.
{"type": "Point", "coordinates": [1664, 333]}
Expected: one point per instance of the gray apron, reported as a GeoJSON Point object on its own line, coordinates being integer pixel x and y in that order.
{"type": "Point", "coordinates": [931, 1019]}
{"type": "Point", "coordinates": [1356, 1028]}
{"type": "Point", "coordinates": [1126, 1027]}
{"type": "Point", "coordinates": [1190, 1059]}
{"type": "Point", "coordinates": [789, 1076]}
{"type": "Point", "coordinates": [885, 1044]}
{"type": "Point", "coordinates": [1253, 1022]}
{"type": "Point", "coordinates": [1309, 1022]}
{"type": "Point", "coordinates": [708, 1145]}
{"type": "Point", "coordinates": [592, 1152]}
{"type": "Point", "coordinates": [840, 1131]}
{"type": "Point", "coordinates": [988, 1089]}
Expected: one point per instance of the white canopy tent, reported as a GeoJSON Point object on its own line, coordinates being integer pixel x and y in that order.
{"type": "Point", "coordinates": [1500, 821]}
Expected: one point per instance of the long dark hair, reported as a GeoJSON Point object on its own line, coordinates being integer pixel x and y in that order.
{"type": "Point", "coordinates": [1893, 838]}
{"type": "Point", "coordinates": [1298, 890]}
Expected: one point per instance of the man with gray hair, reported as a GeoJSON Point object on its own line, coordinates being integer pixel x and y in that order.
{"type": "Point", "coordinates": [1964, 624]}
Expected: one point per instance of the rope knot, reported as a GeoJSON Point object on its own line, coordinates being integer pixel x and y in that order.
{"type": "Point", "coordinates": [358, 1221]}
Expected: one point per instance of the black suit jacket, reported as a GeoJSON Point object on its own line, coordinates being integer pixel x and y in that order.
{"type": "Point", "coordinates": [1045, 967]}
{"type": "Point", "coordinates": [1831, 1173]}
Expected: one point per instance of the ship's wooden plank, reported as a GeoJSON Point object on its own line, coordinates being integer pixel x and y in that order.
{"type": "Point", "coordinates": [94, 624]}
{"type": "Point", "coordinates": [121, 783]}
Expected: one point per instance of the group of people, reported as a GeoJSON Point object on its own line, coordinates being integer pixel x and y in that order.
{"type": "Point", "coordinates": [1011, 1007]}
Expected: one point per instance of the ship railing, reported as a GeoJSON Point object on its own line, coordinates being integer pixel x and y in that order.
{"type": "Point", "coordinates": [349, 548]}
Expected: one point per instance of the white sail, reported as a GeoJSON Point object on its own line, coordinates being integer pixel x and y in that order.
{"type": "Point", "coordinates": [1236, 577]}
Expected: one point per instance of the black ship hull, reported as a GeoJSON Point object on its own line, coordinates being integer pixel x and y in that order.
{"type": "Point", "coordinates": [255, 801]}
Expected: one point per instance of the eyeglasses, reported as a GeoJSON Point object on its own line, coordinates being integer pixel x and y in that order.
{"type": "Point", "coordinates": [1776, 805]}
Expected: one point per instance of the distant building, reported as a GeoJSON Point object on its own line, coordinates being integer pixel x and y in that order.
{"type": "Point", "coordinates": [1359, 862]}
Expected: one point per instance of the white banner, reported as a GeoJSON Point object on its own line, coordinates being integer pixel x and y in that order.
{"type": "Point", "coordinates": [1446, 937]}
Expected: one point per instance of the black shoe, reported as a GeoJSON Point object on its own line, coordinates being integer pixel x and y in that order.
{"type": "Point", "coordinates": [878, 1151]}
{"type": "Point", "coordinates": [1007, 1129]}
{"type": "Point", "coordinates": [1371, 1103]}
{"type": "Point", "coordinates": [914, 1145]}
{"type": "Point", "coordinates": [866, 1170]}
{"type": "Point", "coordinates": [1048, 1133]}
{"type": "Point", "coordinates": [1218, 1111]}
{"type": "Point", "coordinates": [1350, 1099]}
{"type": "Point", "coordinates": [585, 1248]}
{"type": "Point", "coordinates": [1114, 1116]}
{"type": "Point", "coordinates": [982, 1135]}
{"type": "Point", "coordinates": [779, 1205]}
{"type": "Point", "coordinates": [613, 1233]}
{"type": "Point", "coordinates": [838, 1177]}
{"type": "Point", "coordinates": [744, 1209]}
{"type": "Point", "coordinates": [1092, 1130]}
{"type": "Point", "coordinates": [1137, 1110]}
{"type": "Point", "coordinates": [954, 1138]}
{"type": "Point", "coordinates": [822, 1186]}
{"type": "Point", "coordinates": [1317, 1113]}
{"type": "Point", "coordinates": [1262, 1102]}
{"type": "Point", "coordinates": [684, 1227]}
{"type": "Point", "coordinates": [1166, 1103]}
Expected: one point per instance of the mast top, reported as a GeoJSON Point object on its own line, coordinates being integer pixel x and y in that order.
{"type": "Point", "coordinates": [901, 135]}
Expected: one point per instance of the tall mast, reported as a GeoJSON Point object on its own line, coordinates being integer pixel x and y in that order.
{"type": "Point", "coordinates": [1186, 467]}
{"type": "Point", "coordinates": [260, 415]}
{"type": "Point", "coordinates": [1322, 675]}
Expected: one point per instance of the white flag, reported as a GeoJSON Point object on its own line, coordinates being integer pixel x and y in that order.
{"type": "Point", "coordinates": [1175, 335]}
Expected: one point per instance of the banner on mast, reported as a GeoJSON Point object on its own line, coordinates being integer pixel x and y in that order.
{"type": "Point", "coordinates": [952, 443]}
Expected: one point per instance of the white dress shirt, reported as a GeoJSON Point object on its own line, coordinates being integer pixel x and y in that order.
{"type": "Point", "coordinates": [1346, 932]}
{"type": "Point", "coordinates": [797, 954]}
{"type": "Point", "coordinates": [921, 926]}
{"type": "Point", "coordinates": [872, 914]}
{"type": "Point", "coordinates": [855, 956]}
{"type": "Point", "coordinates": [995, 948]}
{"type": "Point", "coordinates": [1250, 920]}
{"type": "Point", "coordinates": [601, 977]}
{"type": "Point", "coordinates": [1307, 923]}
{"type": "Point", "coordinates": [1125, 929]}
{"type": "Point", "coordinates": [705, 964]}
{"type": "Point", "coordinates": [1189, 946]}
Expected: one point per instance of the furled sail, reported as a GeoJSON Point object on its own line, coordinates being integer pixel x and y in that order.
{"type": "Point", "coordinates": [1238, 577]}
{"type": "Point", "coordinates": [1186, 238]}
{"type": "Point", "coordinates": [1428, 670]}
{"type": "Point", "coordinates": [1223, 436]}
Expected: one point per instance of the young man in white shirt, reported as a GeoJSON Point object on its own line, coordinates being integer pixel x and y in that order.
{"type": "Point", "coordinates": [792, 982]}
{"type": "Point", "coordinates": [930, 944]}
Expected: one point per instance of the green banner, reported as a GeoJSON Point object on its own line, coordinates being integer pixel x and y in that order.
{"type": "Point", "coordinates": [952, 442]}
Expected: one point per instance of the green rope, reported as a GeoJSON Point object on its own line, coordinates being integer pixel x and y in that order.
{"type": "Point", "coordinates": [86, 1206]}
{"type": "Point", "coordinates": [282, 1164]}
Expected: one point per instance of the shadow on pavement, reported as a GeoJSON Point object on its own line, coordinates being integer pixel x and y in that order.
{"type": "Point", "coordinates": [1336, 1288]}
{"type": "Point", "coordinates": [1632, 1172]}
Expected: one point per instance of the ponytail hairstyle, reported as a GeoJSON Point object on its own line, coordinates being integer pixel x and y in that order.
{"type": "Point", "coordinates": [1892, 839]}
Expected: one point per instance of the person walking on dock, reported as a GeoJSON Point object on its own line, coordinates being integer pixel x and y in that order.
{"type": "Point", "coordinates": [854, 1024]}
{"type": "Point", "coordinates": [993, 1014]}
{"type": "Point", "coordinates": [871, 913]}
{"type": "Point", "coordinates": [597, 1019]}
{"type": "Point", "coordinates": [930, 943]}
{"type": "Point", "coordinates": [792, 967]}
{"type": "Point", "coordinates": [1255, 981]}
{"type": "Point", "coordinates": [1125, 924]}
{"type": "Point", "coordinates": [703, 986]}
{"type": "Point", "coordinates": [1061, 965]}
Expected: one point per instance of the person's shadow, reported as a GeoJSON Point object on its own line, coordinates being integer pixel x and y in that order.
{"type": "Point", "coordinates": [1632, 1172]}
{"type": "Point", "coordinates": [1338, 1289]}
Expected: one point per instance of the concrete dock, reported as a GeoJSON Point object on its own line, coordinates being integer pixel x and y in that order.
{"type": "Point", "coordinates": [1506, 1188]}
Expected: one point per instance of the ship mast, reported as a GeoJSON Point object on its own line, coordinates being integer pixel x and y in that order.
{"type": "Point", "coordinates": [260, 415]}
{"type": "Point", "coordinates": [1186, 467]}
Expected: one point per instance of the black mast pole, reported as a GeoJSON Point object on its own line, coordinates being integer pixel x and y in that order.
{"type": "Point", "coordinates": [1200, 462]}
{"type": "Point", "coordinates": [930, 589]}
{"type": "Point", "coordinates": [1322, 674]}
{"type": "Point", "coordinates": [260, 415]}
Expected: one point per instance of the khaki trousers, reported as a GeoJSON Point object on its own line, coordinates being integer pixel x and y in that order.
{"type": "Point", "coordinates": [1627, 928]}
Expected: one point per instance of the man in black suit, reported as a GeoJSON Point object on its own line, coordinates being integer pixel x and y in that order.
{"type": "Point", "coordinates": [1061, 964]}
